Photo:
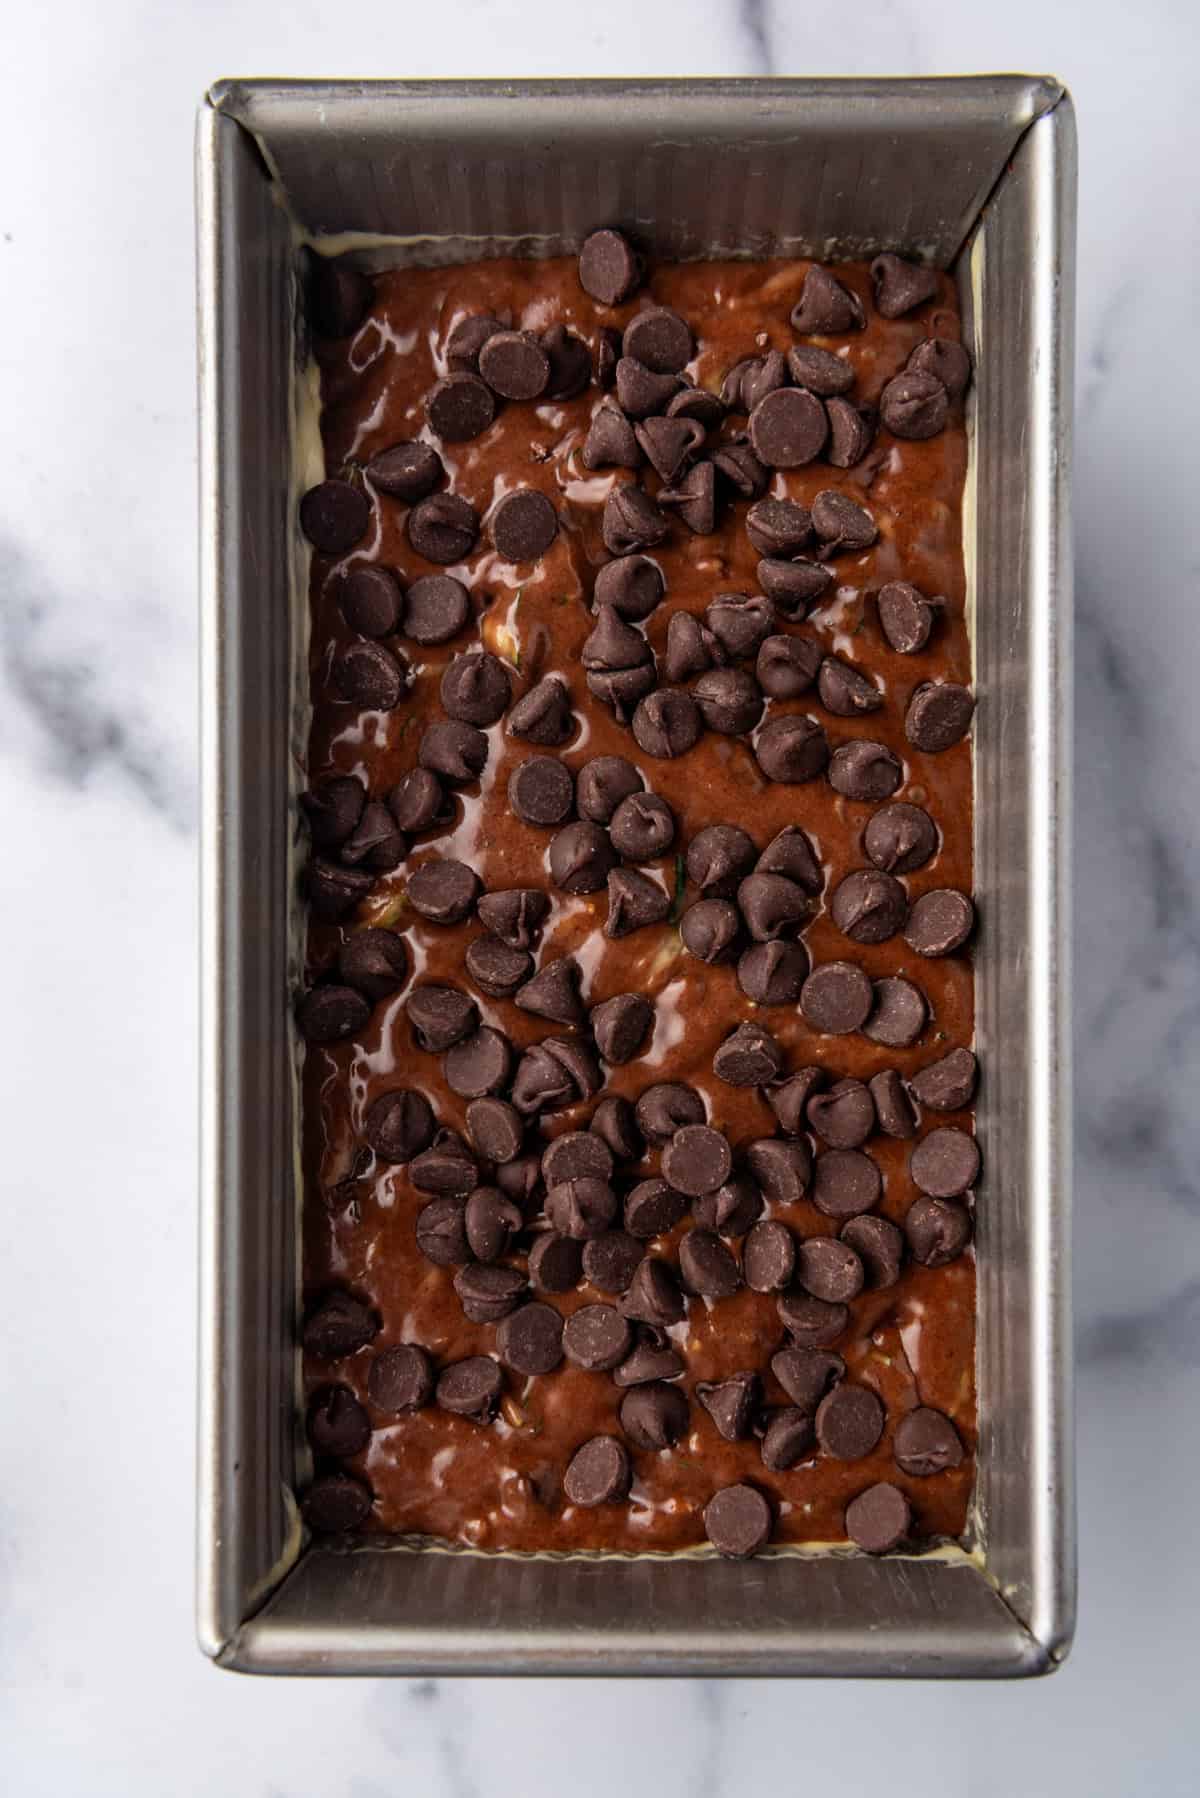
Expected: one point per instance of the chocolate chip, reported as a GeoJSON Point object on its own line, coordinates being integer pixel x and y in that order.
{"type": "Point", "coordinates": [878, 1519]}
{"type": "Point", "coordinates": [602, 784]}
{"type": "Point", "coordinates": [598, 1473]}
{"type": "Point", "coordinates": [773, 973]}
{"type": "Point", "coordinates": [332, 891]}
{"type": "Point", "coordinates": [651, 1358]}
{"type": "Point", "coordinates": [794, 587]}
{"type": "Point", "coordinates": [900, 1013]}
{"type": "Point", "coordinates": [481, 1064]}
{"type": "Point", "coordinates": [807, 1374]}
{"type": "Point", "coordinates": [940, 922]}
{"type": "Point", "coordinates": [376, 843]}
{"type": "Point", "coordinates": [642, 391]}
{"type": "Point", "coordinates": [791, 749]}
{"type": "Point", "coordinates": [845, 1182]}
{"type": "Point", "coordinates": [400, 1379]}
{"type": "Point", "coordinates": [654, 1416]}
{"type": "Point", "coordinates": [938, 1231]}
{"type": "Point", "coordinates": [334, 516]}
{"type": "Point", "coordinates": [844, 1115]}
{"type": "Point", "coordinates": [623, 689]}
{"type": "Point", "coordinates": [447, 1168]}
{"type": "Point", "coordinates": [653, 1208]}
{"type": "Point", "coordinates": [495, 1129]}
{"type": "Point", "coordinates": [370, 676]}
{"type": "Point", "coordinates": [523, 525]}
{"type": "Point", "coordinates": [791, 854]}
{"type": "Point", "coordinates": [519, 1179]}
{"type": "Point", "coordinates": [597, 1338]}
{"type": "Point", "coordinates": [581, 858]}
{"type": "Point", "coordinates": [697, 403]}
{"type": "Point", "coordinates": [730, 700]}
{"type": "Point", "coordinates": [460, 406]}
{"type": "Point", "coordinates": [879, 1245]}
{"type": "Point", "coordinates": [400, 1124]}
{"type": "Point", "coordinates": [339, 297]}
{"type": "Point", "coordinates": [543, 715]}
{"type": "Point", "coordinates": [516, 916]}
{"type": "Point", "coordinates": [659, 339]}
{"type": "Point", "coordinates": [812, 1322]}
{"type": "Point", "coordinates": [340, 1325]}
{"type": "Point", "coordinates": [436, 609]}
{"type": "Point", "coordinates": [718, 856]}
{"type": "Point", "coordinates": [620, 1026]}
{"type": "Point", "coordinates": [948, 1084]}
{"type": "Point", "coordinates": [615, 1122]}
{"type": "Point", "coordinates": [778, 527]}
{"type": "Point", "coordinates": [634, 902]}
{"type": "Point", "coordinates": [443, 891]}
{"type": "Point", "coordinates": [826, 308]}
{"type": "Point", "coordinates": [417, 799]}
{"type": "Point", "coordinates": [541, 791]}
{"type": "Point", "coordinates": [575, 1060]}
{"type": "Point", "coordinates": [406, 471]}
{"type": "Point", "coordinates": [945, 1163]}
{"type": "Point", "coordinates": [710, 930]}
{"type": "Point", "coordinates": [495, 968]}
{"type": "Point", "coordinates": [694, 498]}
{"type": "Point", "coordinates": [608, 353]}
{"type": "Point", "coordinates": [850, 432]}
{"type": "Point", "coordinates": [335, 1503]}
{"type": "Point", "coordinates": [691, 648]}
{"type": "Point", "coordinates": [905, 617]}
{"type": "Point", "coordinates": [842, 523]}
{"type": "Point", "coordinates": [845, 691]}
{"type": "Point", "coordinates": [581, 1207]}
{"type": "Point", "coordinates": [782, 1168]}
{"type": "Point", "coordinates": [769, 1257]}
{"type": "Point", "coordinates": [788, 1438]}
{"type": "Point", "coordinates": [555, 1262]}
{"type": "Point", "coordinates": [732, 1210]}
{"type": "Point", "coordinates": [900, 284]}
{"type": "Point", "coordinates": [737, 464]}
{"type": "Point", "coordinates": [530, 1340]}
{"type": "Point", "coordinates": [869, 906]}
{"type": "Point", "coordinates": [570, 363]}
{"type": "Point", "coordinates": [631, 521]}
{"type": "Point", "coordinates": [514, 365]}
{"type": "Point", "coordinates": [612, 644]}
{"type": "Point", "coordinates": [900, 838]}
{"type": "Point", "coordinates": [669, 444]}
{"type": "Point", "coordinates": [608, 267]}
{"type": "Point", "coordinates": [789, 1100]}
{"type": "Point", "coordinates": [442, 528]}
{"type": "Point", "coordinates": [788, 428]}
{"type": "Point", "coordinates": [667, 1107]}
{"type": "Point", "coordinates": [771, 905]}
{"type": "Point", "coordinates": [946, 361]}
{"type": "Point", "coordinates": [468, 337]}
{"type": "Point", "coordinates": [750, 1057]}
{"type": "Point", "coordinates": [914, 405]}
{"type": "Point", "coordinates": [737, 1521]}
{"type": "Point", "coordinates": [697, 1160]}
{"type": "Point", "coordinates": [439, 1016]}
{"type": "Point", "coordinates": [631, 585]}
{"type": "Point", "coordinates": [372, 600]}
{"type": "Point", "coordinates": [819, 370]}
{"type": "Point", "coordinates": [610, 1262]}
{"type": "Point", "coordinates": [893, 1106]}
{"type": "Point", "coordinates": [849, 1422]}
{"type": "Point", "coordinates": [925, 1443]}
{"type": "Point", "coordinates": [762, 375]}
{"type": "Point", "coordinates": [471, 1388]}
{"type": "Point", "coordinates": [491, 1221]}
{"type": "Point", "coordinates": [487, 1294]}
{"type": "Point", "coordinates": [865, 771]}
{"type": "Point", "coordinates": [643, 827]}
{"type": "Point", "coordinates": [610, 442]}
{"type": "Point", "coordinates": [667, 722]}
{"type": "Point", "coordinates": [653, 1296]}
{"type": "Point", "coordinates": [939, 715]}
{"type": "Point", "coordinates": [375, 962]}
{"type": "Point", "coordinates": [329, 1014]}
{"type": "Point", "coordinates": [333, 807]}
{"type": "Point", "coordinates": [476, 688]}
{"type": "Point", "coordinates": [731, 1403]}
{"type": "Point", "coordinates": [576, 1155]}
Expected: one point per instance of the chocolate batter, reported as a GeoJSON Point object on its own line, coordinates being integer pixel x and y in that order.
{"type": "Point", "coordinates": [500, 1485]}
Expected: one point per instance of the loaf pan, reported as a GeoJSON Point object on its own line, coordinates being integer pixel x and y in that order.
{"type": "Point", "coordinates": [977, 174]}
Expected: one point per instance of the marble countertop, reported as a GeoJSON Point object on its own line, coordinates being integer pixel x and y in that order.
{"type": "Point", "coordinates": [102, 1690]}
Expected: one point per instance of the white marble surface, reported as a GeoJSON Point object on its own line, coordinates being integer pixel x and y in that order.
{"type": "Point", "coordinates": [102, 1690]}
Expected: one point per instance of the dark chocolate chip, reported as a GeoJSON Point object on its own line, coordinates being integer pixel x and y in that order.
{"type": "Point", "coordinates": [694, 498]}
{"type": "Point", "coordinates": [400, 1124]}
{"type": "Point", "coordinates": [491, 1221]}
{"type": "Point", "coordinates": [939, 714]}
{"type": "Point", "coordinates": [578, 1060]}
{"type": "Point", "coordinates": [697, 403]}
{"type": "Point", "coordinates": [523, 525]}
{"type": "Point", "coordinates": [667, 722]}
{"type": "Point", "coordinates": [940, 922]}
{"type": "Point", "coordinates": [914, 405]}
{"type": "Point", "coordinates": [334, 516]}
{"type": "Point", "coordinates": [900, 838]}
{"type": "Point", "coordinates": [732, 1210]}
{"type": "Point", "coordinates": [948, 1084]}
{"type": "Point", "coordinates": [938, 1230]}
{"type": "Point", "coordinates": [576, 1155]}
{"type": "Point", "coordinates": [654, 1416]}
{"type": "Point", "coordinates": [406, 471]}
{"type": "Point", "coordinates": [643, 827]}
{"type": "Point", "coordinates": [653, 1208]}
{"type": "Point", "coordinates": [789, 1100]}
{"type": "Point", "coordinates": [468, 337]}
{"type": "Point", "coordinates": [335, 1503]}
{"type": "Point", "coordinates": [400, 1379]}
{"type": "Point", "coordinates": [497, 969]}
{"type": "Point", "coordinates": [329, 1014]}
{"type": "Point", "coordinates": [807, 1374]}
{"type": "Point", "coordinates": [339, 297]}
{"type": "Point", "coordinates": [495, 1129]}
{"type": "Point", "coordinates": [610, 442]}
{"type": "Point", "coordinates": [905, 617]}
{"type": "Point", "coordinates": [794, 587]}
{"type": "Point", "coordinates": [893, 1107]}
{"type": "Point", "coordinates": [623, 689]}
{"type": "Point", "coordinates": [642, 392]}
{"type": "Point", "coordinates": [447, 1168]}
{"type": "Point", "coordinates": [791, 854]}
{"type": "Point", "coordinates": [782, 1167]}
{"type": "Point", "coordinates": [376, 844]}
{"type": "Point", "coordinates": [878, 1519]}
{"type": "Point", "coordinates": [652, 1357]}
{"type": "Point", "coordinates": [731, 1403]}
{"type": "Point", "coordinates": [788, 428]}
{"type": "Point", "coordinates": [669, 444]}
{"type": "Point", "coordinates": [739, 467]}
{"type": "Point", "coordinates": [717, 858]}
{"type": "Point", "coordinates": [530, 1339]}
{"type": "Point", "coordinates": [845, 1183]}
{"type": "Point", "coordinates": [417, 799]}
{"type": "Point", "coordinates": [634, 902]}
{"type": "Point", "coordinates": [659, 339]}
{"type": "Point", "coordinates": [541, 791]}
{"type": "Point", "coordinates": [865, 771]}
{"type": "Point", "coordinates": [845, 691]}
{"type": "Point", "coordinates": [436, 609]}
{"type": "Point", "coordinates": [555, 1262]}
{"type": "Point", "coordinates": [602, 784]}
{"type": "Point", "coordinates": [761, 376]}
{"type": "Point", "coordinates": [608, 354]}
{"type": "Point", "coordinates": [597, 1338]}
{"type": "Point", "coordinates": [750, 1057]}
{"type": "Point", "coordinates": [820, 370]}
{"type": "Point", "coordinates": [791, 749]}
{"type": "Point", "coordinates": [608, 267]}
{"type": "Point", "coordinates": [733, 385]}
{"type": "Point", "coordinates": [487, 1294]}
{"type": "Point", "coordinates": [899, 1015]}
{"type": "Point", "coordinates": [442, 528]}
{"type": "Point", "coordinates": [900, 285]}
{"type": "Point", "coordinates": [788, 1438]}
{"type": "Point", "coordinates": [460, 406]}
{"type": "Point", "coordinates": [481, 1064]}
{"type": "Point", "coordinates": [779, 527]}
{"type": "Point", "coordinates": [691, 648]}
{"type": "Point", "coordinates": [710, 930]}
{"type": "Point", "coordinates": [476, 688]}
{"type": "Point", "coordinates": [334, 891]}
{"type": "Point", "coordinates": [372, 600]}
{"type": "Point", "coordinates": [869, 906]}
{"type": "Point", "coordinates": [849, 1422]}
{"type": "Point", "coordinates": [850, 432]}
{"type": "Point", "coordinates": [631, 585]}
{"type": "Point", "coordinates": [615, 1122]}
{"type": "Point", "coordinates": [925, 1443]}
{"type": "Point", "coordinates": [842, 523]}
{"type": "Point", "coordinates": [773, 973]}
{"type": "Point", "coordinates": [598, 1473]}
{"type": "Point", "coordinates": [333, 807]}
{"type": "Point", "coordinates": [340, 1325]}
{"type": "Point", "coordinates": [945, 1163]}
{"type": "Point", "coordinates": [769, 1257]}
{"type": "Point", "coordinates": [730, 700]}
{"type": "Point", "coordinates": [610, 1262]}
{"type": "Point", "coordinates": [812, 1323]}
{"type": "Point", "coordinates": [543, 715]}
{"type": "Point", "coordinates": [443, 891]}
{"type": "Point", "coordinates": [440, 1016]}
{"type": "Point", "coordinates": [844, 1114]}
{"type": "Point", "coordinates": [620, 1026]}
{"type": "Point", "coordinates": [631, 521]}
{"type": "Point", "coordinates": [879, 1245]}
{"type": "Point", "coordinates": [516, 915]}
{"type": "Point", "coordinates": [771, 904]}
{"type": "Point", "coordinates": [667, 1107]}
{"type": "Point", "coordinates": [737, 1521]}
{"type": "Point", "coordinates": [697, 1160]}
{"type": "Point", "coordinates": [826, 308]}
{"type": "Point", "coordinates": [515, 365]}
{"type": "Point", "coordinates": [653, 1296]}
{"type": "Point", "coordinates": [581, 1207]}
{"type": "Point", "coordinates": [581, 857]}
{"type": "Point", "coordinates": [570, 363]}
{"type": "Point", "coordinates": [471, 1388]}
{"type": "Point", "coordinates": [946, 361]}
{"type": "Point", "coordinates": [612, 644]}
{"type": "Point", "coordinates": [370, 676]}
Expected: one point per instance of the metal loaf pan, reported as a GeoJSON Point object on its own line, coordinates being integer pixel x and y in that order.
{"type": "Point", "coordinates": [978, 174]}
